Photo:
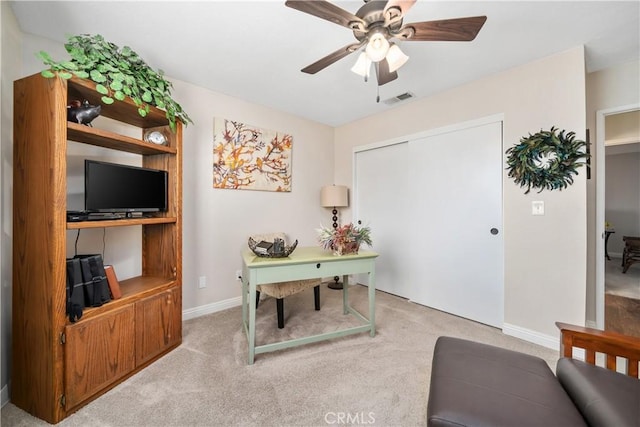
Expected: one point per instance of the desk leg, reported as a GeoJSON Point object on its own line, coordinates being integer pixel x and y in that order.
{"type": "Point", "coordinates": [245, 290]}
{"type": "Point", "coordinates": [372, 300]}
{"type": "Point", "coordinates": [252, 316]}
{"type": "Point", "coordinates": [345, 294]}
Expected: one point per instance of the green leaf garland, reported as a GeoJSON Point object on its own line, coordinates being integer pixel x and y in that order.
{"type": "Point", "coordinates": [117, 72]}
{"type": "Point", "coordinates": [546, 160]}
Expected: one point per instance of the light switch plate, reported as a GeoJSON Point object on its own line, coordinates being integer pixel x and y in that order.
{"type": "Point", "coordinates": [537, 207]}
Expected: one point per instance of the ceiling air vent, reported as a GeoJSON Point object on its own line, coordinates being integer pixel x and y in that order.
{"type": "Point", "coordinates": [398, 98]}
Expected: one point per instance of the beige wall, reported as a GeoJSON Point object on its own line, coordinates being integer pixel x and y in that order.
{"type": "Point", "coordinates": [545, 256]}
{"type": "Point", "coordinates": [218, 222]}
{"type": "Point", "coordinates": [622, 128]}
{"type": "Point", "coordinates": [611, 88]}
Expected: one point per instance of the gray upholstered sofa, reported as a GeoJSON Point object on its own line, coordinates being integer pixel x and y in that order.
{"type": "Point", "coordinates": [474, 384]}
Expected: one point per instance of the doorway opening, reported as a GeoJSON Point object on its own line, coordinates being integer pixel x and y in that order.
{"type": "Point", "coordinates": [618, 213]}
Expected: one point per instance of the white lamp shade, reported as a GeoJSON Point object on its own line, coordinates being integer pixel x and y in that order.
{"type": "Point", "coordinates": [395, 58]}
{"type": "Point", "coordinates": [362, 66]}
{"type": "Point", "coordinates": [377, 47]}
{"type": "Point", "coordinates": [334, 196]}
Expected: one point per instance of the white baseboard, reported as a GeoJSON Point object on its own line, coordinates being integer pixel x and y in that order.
{"type": "Point", "coordinates": [531, 336]}
{"type": "Point", "coordinates": [192, 313]}
{"type": "Point", "coordinates": [4, 395]}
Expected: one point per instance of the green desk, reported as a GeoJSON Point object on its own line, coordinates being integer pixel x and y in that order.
{"type": "Point", "coordinates": [304, 263]}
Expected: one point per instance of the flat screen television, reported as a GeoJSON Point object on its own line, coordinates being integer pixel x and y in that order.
{"type": "Point", "coordinates": [110, 187]}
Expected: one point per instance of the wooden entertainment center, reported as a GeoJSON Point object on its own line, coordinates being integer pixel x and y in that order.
{"type": "Point", "coordinates": [59, 366]}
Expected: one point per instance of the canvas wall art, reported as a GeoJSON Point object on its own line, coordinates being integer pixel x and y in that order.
{"type": "Point", "coordinates": [246, 157]}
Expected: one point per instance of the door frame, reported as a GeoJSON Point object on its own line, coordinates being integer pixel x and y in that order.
{"type": "Point", "coordinates": [499, 117]}
{"type": "Point", "coordinates": [600, 203]}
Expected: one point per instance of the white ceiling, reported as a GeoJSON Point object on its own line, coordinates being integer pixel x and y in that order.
{"type": "Point", "coordinates": [254, 50]}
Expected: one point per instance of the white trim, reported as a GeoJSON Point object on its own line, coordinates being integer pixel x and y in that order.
{"type": "Point", "coordinates": [531, 336]}
{"type": "Point", "coordinates": [600, 204]}
{"type": "Point", "coordinates": [203, 310]}
{"type": "Point", "coordinates": [621, 141]}
{"type": "Point", "coordinates": [431, 132]}
{"type": "Point", "coordinates": [4, 395]}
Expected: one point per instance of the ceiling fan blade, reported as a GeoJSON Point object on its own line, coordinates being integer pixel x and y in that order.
{"type": "Point", "coordinates": [325, 10]}
{"type": "Point", "coordinates": [459, 29]}
{"type": "Point", "coordinates": [383, 74]}
{"type": "Point", "coordinates": [331, 58]}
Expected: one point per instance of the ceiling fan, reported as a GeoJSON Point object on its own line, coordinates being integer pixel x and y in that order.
{"type": "Point", "coordinates": [375, 26]}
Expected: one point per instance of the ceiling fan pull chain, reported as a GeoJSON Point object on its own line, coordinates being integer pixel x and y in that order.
{"type": "Point", "coordinates": [377, 85]}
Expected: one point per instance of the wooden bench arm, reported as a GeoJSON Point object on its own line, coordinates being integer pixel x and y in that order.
{"type": "Point", "coordinates": [593, 341]}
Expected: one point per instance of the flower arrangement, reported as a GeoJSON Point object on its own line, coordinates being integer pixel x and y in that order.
{"type": "Point", "coordinates": [344, 240]}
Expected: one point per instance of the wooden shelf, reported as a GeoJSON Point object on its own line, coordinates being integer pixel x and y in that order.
{"type": "Point", "coordinates": [133, 289]}
{"type": "Point", "coordinates": [102, 138]}
{"type": "Point", "coordinates": [119, 222]}
{"type": "Point", "coordinates": [123, 111]}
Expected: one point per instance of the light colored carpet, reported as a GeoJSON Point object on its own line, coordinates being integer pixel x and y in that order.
{"type": "Point", "coordinates": [381, 381]}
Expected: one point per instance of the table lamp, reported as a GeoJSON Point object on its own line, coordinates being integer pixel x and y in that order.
{"type": "Point", "coordinates": [334, 196]}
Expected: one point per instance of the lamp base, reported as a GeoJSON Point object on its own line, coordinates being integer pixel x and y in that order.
{"type": "Point", "coordinates": [336, 284]}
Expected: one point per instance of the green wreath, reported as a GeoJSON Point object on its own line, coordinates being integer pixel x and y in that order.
{"type": "Point", "coordinates": [546, 160]}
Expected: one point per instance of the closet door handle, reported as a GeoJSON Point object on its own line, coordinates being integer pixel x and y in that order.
{"type": "Point", "coordinates": [494, 231]}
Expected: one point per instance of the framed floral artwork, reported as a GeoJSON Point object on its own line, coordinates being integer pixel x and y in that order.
{"type": "Point", "coordinates": [246, 157]}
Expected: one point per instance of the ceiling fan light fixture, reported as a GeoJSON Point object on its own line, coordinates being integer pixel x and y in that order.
{"type": "Point", "coordinates": [396, 58]}
{"type": "Point", "coordinates": [362, 66]}
{"type": "Point", "coordinates": [377, 47]}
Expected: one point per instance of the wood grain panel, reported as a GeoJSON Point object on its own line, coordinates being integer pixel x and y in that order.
{"type": "Point", "coordinates": [98, 352]}
{"type": "Point", "coordinates": [39, 184]}
{"type": "Point", "coordinates": [612, 344]}
{"type": "Point", "coordinates": [158, 324]}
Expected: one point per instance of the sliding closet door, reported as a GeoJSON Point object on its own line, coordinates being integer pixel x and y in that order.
{"type": "Point", "coordinates": [456, 250]}
{"type": "Point", "coordinates": [380, 201]}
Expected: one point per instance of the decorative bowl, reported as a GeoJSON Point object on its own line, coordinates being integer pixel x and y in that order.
{"type": "Point", "coordinates": [288, 250]}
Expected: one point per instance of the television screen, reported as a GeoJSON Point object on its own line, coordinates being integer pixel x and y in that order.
{"type": "Point", "coordinates": [110, 187]}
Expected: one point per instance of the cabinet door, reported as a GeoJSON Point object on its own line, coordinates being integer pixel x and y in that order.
{"type": "Point", "coordinates": [158, 324]}
{"type": "Point", "coordinates": [98, 351]}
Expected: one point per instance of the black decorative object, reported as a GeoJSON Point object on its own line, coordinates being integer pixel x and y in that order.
{"type": "Point", "coordinates": [546, 160]}
{"type": "Point", "coordinates": [82, 113]}
{"type": "Point", "coordinates": [278, 250]}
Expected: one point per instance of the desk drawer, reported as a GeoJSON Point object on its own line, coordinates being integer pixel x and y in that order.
{"type": "Point", "coordinates": [283, 273]}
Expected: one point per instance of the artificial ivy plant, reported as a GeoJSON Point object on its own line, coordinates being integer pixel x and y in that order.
{"type": "Point", "coordinates": [118, 73]}
{"type": "Point", "coordinates": [546, 160]}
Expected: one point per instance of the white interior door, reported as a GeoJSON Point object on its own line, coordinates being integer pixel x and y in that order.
{"type": "Point", "coordinates": [456, 253]}
{"type": "Point", "coordinates": [380, 200]}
